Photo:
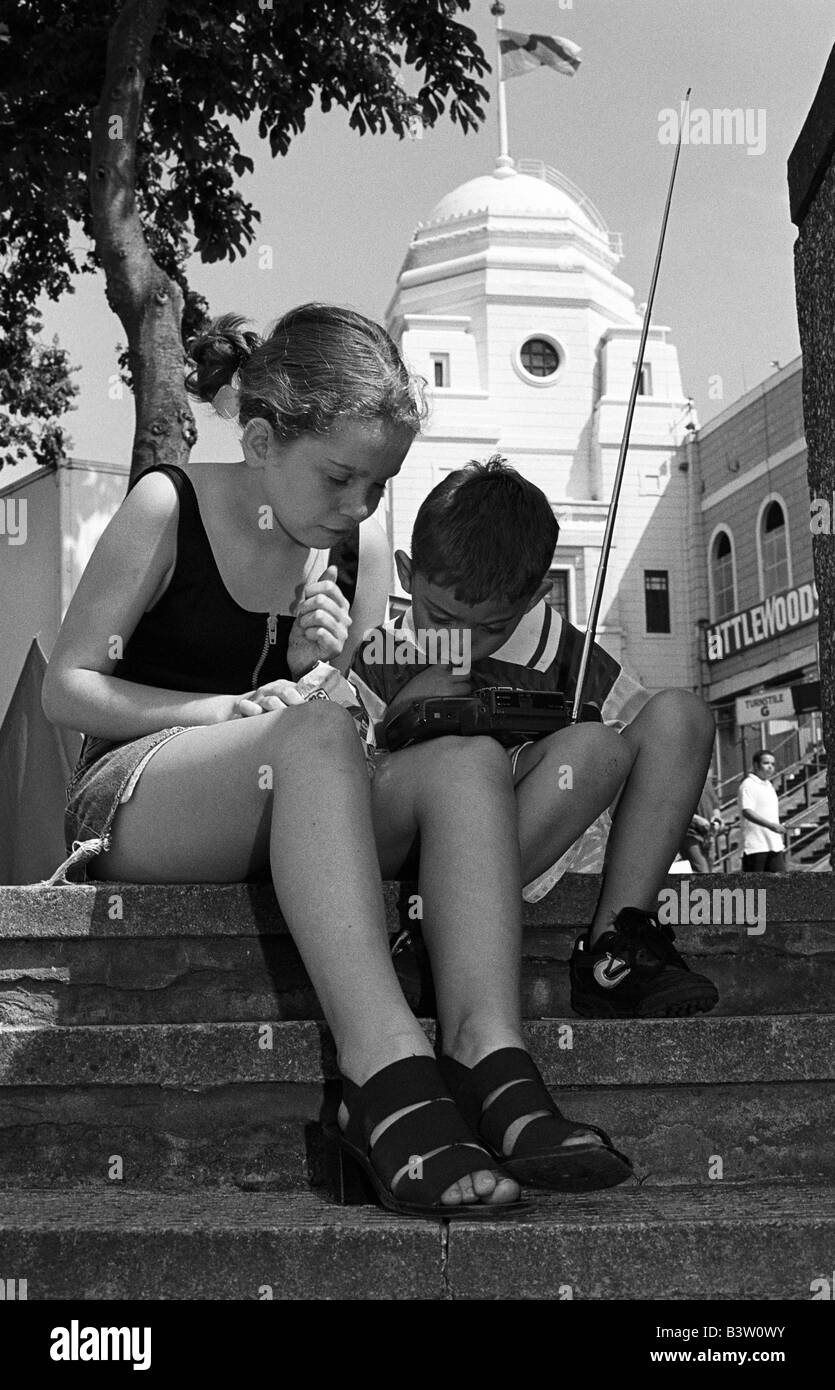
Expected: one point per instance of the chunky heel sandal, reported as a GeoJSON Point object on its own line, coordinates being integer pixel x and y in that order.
{"type": "Point", "coordinates": [347, 1181]}
{"type": "Point", "coordinates": [418, 1156]}
{"type": "Point", "coordinates": [540, 1157]}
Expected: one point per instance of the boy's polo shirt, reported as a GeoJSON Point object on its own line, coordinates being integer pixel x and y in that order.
{"type": "Point", "coordinates": [542, 653]}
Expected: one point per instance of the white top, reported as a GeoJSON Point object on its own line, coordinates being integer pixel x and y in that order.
{"type": "Point", "coordinates": [760, 797]}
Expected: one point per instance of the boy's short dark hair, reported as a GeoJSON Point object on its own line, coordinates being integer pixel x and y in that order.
{"type": "Point", "coordinates": [485, 532]}
{"type": "Point", "coordinates": [760, 755]}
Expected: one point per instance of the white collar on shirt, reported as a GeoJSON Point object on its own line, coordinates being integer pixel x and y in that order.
{"type": "Point", "coordinates": [523, 642]}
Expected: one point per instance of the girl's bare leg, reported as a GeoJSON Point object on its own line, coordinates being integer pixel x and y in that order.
{"type": "Point", "coordinates": [204, 811]}
{"type": "Point", "coordinates": [469, 881]}
{"type": "Point", "coordinates": [469, 884]}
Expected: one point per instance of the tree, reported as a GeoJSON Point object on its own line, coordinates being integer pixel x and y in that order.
{"type": "Point", "coordinates": [116, 117]}
{"type": "Point", "coordinates": [36, 388]}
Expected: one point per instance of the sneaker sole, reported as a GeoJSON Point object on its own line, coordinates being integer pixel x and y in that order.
{"type": "Point", "coordinates": [671, 1008]}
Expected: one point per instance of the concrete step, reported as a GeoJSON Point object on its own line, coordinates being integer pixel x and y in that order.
{"type": "Point", "coordinates": [229, 979]}
{"type": "Point", "coordinates": [250, 909]}
{"type": "Point", "coordinates": [199, 953]}
{"type": "Point", "coordinates": [267, 1137]}
{"type": "Point", "coordinates": [240, 1104]}
{"type": "Point", "coordinates": [706, 1050]}
{"type": "Point", "coordinates": [757, 1242]}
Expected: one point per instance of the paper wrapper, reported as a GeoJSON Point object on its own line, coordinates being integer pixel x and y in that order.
{"type": "Point", "coordinates": [325, 683]}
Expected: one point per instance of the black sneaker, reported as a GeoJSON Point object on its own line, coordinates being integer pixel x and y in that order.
{"type": "Point", "coordinates": [634, 971]}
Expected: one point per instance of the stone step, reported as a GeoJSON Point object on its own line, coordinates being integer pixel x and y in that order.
{"type": "Point", "coordinates": [238, 979]}
{"type": "Point", "coordinates": [707, 1050]}
{"type": "Point", "coordinates": [742, 1243]}
{"type": "Point", "coordinates": [240, 1104]}
{"type": "Point", "coordinates": [202, 953]}
{"type": "Point", "coordinates": [263, 1136]}
{"type": "Point", "coordinates": [250, 909]}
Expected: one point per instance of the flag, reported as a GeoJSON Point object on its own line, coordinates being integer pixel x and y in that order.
{"type": "Point", "coordinates": [523, 52]}
{"type": "Point", "coordinates": [36, 763]}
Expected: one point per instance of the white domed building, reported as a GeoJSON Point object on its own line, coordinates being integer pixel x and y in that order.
{"type": "Point", "coordinates": [509, 304]}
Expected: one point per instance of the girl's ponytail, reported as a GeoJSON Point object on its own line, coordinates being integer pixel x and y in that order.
{"type": "Point", "coordinates": [218, 353]}
{"type": "Point", "coordinates": [320, 365]}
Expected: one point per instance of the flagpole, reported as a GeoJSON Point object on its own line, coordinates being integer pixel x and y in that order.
{"type": "Point", "coordinates": [498, 10]}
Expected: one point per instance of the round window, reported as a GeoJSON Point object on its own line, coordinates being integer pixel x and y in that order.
{"type": "Point", "coordinates": [539, 357]}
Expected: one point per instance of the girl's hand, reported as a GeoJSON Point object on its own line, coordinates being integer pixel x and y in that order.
{"type": "Point", "coordinates": [321, 627]}
{"type": "Point", "coordinates": [273, 695]}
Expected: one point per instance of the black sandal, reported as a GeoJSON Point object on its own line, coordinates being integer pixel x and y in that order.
{"type": "Point", "coordinates": [364, 1172]}
{"type": "Point", "coordinates": [538, 1159]}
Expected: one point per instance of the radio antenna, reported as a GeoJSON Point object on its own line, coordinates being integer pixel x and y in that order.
{"type": "Point", "coordinates": [600, 580]}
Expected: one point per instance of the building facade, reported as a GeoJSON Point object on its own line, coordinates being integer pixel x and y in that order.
{"type": "Point", "coordinates": [510, 306]}
{"type": "Point", "coordinates": [756, 602]}
{"type": "Point", "coordinates": [51, 521]}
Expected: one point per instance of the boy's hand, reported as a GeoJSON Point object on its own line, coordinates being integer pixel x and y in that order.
{"type": "Point", "coordinates": [428, 683]}
{"type": "Point", "coordinates": [321, 627]}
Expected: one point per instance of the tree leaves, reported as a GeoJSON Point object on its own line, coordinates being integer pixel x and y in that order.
{"type": "Point", "coordinates": [212, 61]}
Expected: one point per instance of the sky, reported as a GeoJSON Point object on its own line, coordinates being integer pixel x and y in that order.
{"type": "Point", "coordinates": [338, 211]}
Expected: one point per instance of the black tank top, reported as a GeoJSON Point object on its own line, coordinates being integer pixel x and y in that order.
{"type": "Point", "coordinates": [196, 638]}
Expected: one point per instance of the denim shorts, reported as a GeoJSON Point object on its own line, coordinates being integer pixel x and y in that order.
{"type": "Point", "coordinates": [105, 777]}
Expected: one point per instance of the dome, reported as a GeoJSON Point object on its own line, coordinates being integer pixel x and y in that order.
{"type": "Point", "coordinates": [514, 192]}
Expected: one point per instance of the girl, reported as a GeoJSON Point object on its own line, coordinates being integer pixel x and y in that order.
{"type": "Point", "coordinates": [213, 589]}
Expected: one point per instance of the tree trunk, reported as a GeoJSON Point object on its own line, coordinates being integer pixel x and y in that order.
{"type": "Point", "coordinates": [812, 200]}
{"type": "Point", "coordinates": [148, 303]}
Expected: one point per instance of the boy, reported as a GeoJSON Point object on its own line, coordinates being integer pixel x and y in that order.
{"type": "Point", "coordinates": [482, 545]}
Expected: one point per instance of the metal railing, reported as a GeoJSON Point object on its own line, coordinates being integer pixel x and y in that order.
{"type": "Point", "coordinates": [537, 169]}
{"type": "Point", "coordinates": [729, 787]}
{"type": "Point", "coordinates": [811, 767]}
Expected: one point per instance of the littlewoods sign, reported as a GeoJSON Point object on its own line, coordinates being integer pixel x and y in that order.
{"type": "Point", "coordinates": [779, 613]}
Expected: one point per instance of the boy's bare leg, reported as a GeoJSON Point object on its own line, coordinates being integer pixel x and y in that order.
{"type": "Point", "coordinates": [563, 783]}
{"type": "Point", "coordinates": [671, 740]}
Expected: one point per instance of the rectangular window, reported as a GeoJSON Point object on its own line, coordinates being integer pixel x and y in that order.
{"type": "Point", "coordinates": [560, 595]}
{"type": "Point", "coordinates": [657, 600]}
{"type": "Point", "coordinates": [440, 368]}
{"type": "Point", "coordinates": [645, 379]}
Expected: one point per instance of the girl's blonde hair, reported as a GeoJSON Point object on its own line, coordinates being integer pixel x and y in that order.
{"type": "Point", "coordinates": [319, 365]}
